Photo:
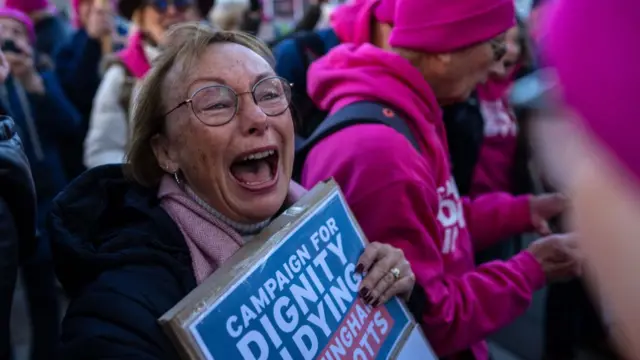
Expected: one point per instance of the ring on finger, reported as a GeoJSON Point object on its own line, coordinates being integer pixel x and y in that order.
{"type": "Point", "coordinates": [395, 272]}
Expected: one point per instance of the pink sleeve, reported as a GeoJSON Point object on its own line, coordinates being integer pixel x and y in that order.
{"type": "Point", "coordinates": [392, 208]}
{"type": "Point", "coordinates": [494, 217]}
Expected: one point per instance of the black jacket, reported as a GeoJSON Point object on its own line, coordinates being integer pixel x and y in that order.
{"type": "Point", "coordinates": [17, 219]}
{"type": "Point", "coordinates": [124, 263]}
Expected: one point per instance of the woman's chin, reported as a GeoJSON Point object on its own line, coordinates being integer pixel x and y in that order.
{"type": "Point", "coordinates": [260, 204]}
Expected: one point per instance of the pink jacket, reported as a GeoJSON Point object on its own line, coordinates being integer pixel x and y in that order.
{"type": "Point", "coordinates": [409, 199]}
{"type": "Point", "coordinates": [352, 21]}
{"type": "Point", "coordinates": [495, 168]}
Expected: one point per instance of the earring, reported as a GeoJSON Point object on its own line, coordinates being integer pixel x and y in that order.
{"type": "Point", "coordinates": [176, 177]}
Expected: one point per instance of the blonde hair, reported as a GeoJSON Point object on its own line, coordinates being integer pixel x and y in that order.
{"type": "Point", "coordinates": [228, 16]}
{"type": "Point", "coordinates": [185, 44]}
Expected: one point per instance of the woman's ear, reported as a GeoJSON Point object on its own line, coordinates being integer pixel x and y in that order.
{"type": "Point", "coordinates": [164, 155]}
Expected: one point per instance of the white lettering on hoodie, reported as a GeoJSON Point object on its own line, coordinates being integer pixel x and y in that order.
{"type": "Point", "coordinates": [450, 215]}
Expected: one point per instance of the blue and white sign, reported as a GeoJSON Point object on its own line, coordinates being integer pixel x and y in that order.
{"type": "Point", "coordinates": [301, 302]}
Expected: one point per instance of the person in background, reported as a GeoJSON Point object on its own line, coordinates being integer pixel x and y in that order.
{"type": "Point", "coordinates": [406, 197]}
{"type": "Point", "coordinates": [135, 239]}
{"type": "Point", "coordinates": [51, 30]}
{"type": "Point", "coordinates": [311, 16]}
{"type": "Point", "coordinates": [585, 129]}
{"type": "Point", "coordinates": [228, 15]}
{"type": "Point", "coordinates": [78, 67]}
{"type": "Point", "coordinates": [37, 103]}
{"type": "Point", "coordinates": [362, 21]}
{"type": "Point", "coordinates": [108, 133]}
{"type": "Point", "coordinates": [17, 214]}
{"type": "Point", "coordinates": [253, 17]}
{"type": "Point", "coordinates": [488, 147]}
{"type": "Point", "coordinates": [204, 7]}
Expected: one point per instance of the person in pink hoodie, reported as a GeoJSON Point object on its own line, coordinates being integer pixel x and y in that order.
{"type": "Point", "coordinates": [495, 169]}
{"type": "Point", "coordinates": [587, 132]}
{"type": "Point", "coordinates": [407, 197]}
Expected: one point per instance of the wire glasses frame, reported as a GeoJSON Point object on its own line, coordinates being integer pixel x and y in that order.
{"type": "Point", "coordinates": [499, 48]}
{"type": "Point", "coordinates": [217, 105]}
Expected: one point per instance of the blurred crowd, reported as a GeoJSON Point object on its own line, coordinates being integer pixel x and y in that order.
{"type": "Point", "coordinates": [142, 142]}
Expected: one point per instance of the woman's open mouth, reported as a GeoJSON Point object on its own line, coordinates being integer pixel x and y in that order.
{"type": "Point", "coordinates": [257, 170]}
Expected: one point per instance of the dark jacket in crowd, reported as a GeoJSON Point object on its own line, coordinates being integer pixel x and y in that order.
{"type": "Point", "coordinates": [78, 69]}
{"type": "Point", "coordinates": [46, 122]}
{"type": "Point", "coordinates": [51, 33]}
{"type": "Point", "coordinates": [122, 261]}
{"type": "Point", "coordinates": [17, 220]}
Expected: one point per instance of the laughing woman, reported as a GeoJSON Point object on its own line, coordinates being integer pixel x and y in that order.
{"type": "Point", "coordinates": [209, 166]}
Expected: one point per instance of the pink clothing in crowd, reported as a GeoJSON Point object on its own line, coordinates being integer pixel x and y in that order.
{"type": "Point", "coordinates": [352, 21]}
{"type": "Point", "coordinates": [133, 56]}
{"type": "Point", "coordinates": [20, 16]}
{"type": "Point", "coordinates": [210, 241]}
{"type": "Point", "coordinates": [27, 6]}
{"type": "Point", "coordinates": [602, 89]}
{"type": "Point", "coordinates": [494, 170]}
{"type": "Point", "coordinates": [436, 26]}
{"type": "Point", "coordinates": [408, 199]}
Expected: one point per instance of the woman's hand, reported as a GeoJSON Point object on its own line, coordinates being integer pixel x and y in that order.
{"type": "Point", "coordinates": [387, 273]}
{"type": "Point", "coordinates": [544, 208]}
{"type": "Point", "coordinates": [559, 256]}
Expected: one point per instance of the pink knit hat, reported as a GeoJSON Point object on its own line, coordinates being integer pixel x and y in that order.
{"type": "Point", "coordinates": [439, 26]}
{"type": "Point", "coordinates": [27, 6]}
{"type": "Point", "coordinates": [385, 11]}
{"type": "Point", "coordinates": [19, 16]}
{"type": "Point", "coordinates": [352, 21]}
{"type": "Point", "coordinates": [596, 59]}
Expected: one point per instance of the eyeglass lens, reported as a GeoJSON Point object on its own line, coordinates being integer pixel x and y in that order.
{"type": "Point", "coordinates": [217, 105]}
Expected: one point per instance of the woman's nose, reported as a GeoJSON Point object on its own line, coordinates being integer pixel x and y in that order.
{"type": "Point", "coordinates": [252, 119]}
{"type": "Point", "coordinates": [498, 69]}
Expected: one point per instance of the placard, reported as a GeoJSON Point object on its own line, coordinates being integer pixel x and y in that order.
{"type": "Point", "coordinates": [296, 297]}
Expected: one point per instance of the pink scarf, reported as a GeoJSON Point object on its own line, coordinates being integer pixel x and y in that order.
{"type": "Point", "coordinates": [133, 56]}
{"type": "Point", "coordinates": [211, 242]}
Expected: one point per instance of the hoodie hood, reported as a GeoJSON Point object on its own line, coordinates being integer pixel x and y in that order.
{"type": "Point", "coordinates": [102, 221]}
{"type": "Point", "coordinates": [134, 57]}
{"type": "Point", "coordinates": [352, 22]}
{"type": "Point", "coordinates": [350, 73]}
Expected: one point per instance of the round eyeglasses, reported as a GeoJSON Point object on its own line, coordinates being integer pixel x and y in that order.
{"type": "Point", "coordinates": [217, 105]}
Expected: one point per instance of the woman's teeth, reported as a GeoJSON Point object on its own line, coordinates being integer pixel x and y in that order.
{"type": "Point", "coordinates": [258, 156]}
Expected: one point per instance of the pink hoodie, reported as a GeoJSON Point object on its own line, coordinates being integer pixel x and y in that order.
{"type": "Point", "coordinates": [352, 21]}
{"type": "Point", "coordinates": [494, 170]}
{"type": "Point", "coordinates": [408, 199]}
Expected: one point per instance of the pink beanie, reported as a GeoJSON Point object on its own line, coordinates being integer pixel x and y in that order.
{"type": "Point", "coordinates": [385, 11]}
{"type": "Point", "coordinates": [593, 47]}
{"type": "Point", "coordinates": [27, 6]}
{"type": "Point", "coordinates": [439, 26]}
{"type": "Point", "coordinates": [352, 21]}
{"type": "Point", "coordinates": [19, 16]}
